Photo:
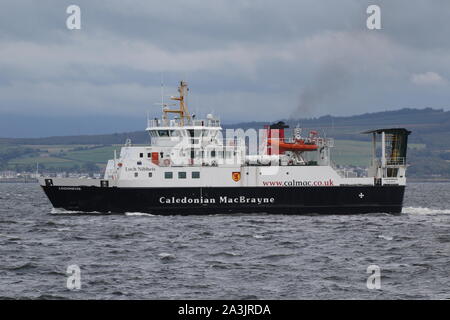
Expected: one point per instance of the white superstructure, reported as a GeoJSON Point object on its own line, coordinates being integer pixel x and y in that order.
{"type": "Point", "coordinates": [189, 152]}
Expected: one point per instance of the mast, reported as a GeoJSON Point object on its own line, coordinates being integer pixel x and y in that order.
{"type": "Point", "coordinates": [182, 111]}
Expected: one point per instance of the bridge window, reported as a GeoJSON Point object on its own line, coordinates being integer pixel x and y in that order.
{"type": "Point", "coordinates": [392, 172]}
{"type": "Point", "coordinates": [181, 175]}
{"type": "Point", "coordinates": [195, 133]}
{"type": "Point", "coordinates": [175, 133]}
{"type": "Point", "coordinates": [141, 155]}
{"type": "Point", "coordinates": [163, 133]}
{"type": "Point", "coordinates": [168, 175]}
{"type": "Point", "coordinates": [195, 174]}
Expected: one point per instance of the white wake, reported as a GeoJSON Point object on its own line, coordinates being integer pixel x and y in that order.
{"type": "Point", "coordinates": [424, 211]}
{"type": "Point", "coordinates": [138, 214]}
{"type": "Point", "coordinates": [64, 211]}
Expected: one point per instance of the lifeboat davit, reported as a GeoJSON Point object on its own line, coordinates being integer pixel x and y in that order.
{"type": "Point", "coordinates": [298, 145]}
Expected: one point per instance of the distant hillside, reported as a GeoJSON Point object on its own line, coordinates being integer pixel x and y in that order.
{"type": "Point", "coordinates": [105, 139]}
{"type": "Point", "coordinates": [423, 123]}
{"type": "Point", "coordinates": [428, 155]}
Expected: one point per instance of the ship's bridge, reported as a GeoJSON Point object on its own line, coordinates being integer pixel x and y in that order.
{"type": "Point", "coordinates": [185, 140]}
{"type": "Point", "coordinates": [167, 133]}
{"type": "Point", "coordinates": [183, 128]}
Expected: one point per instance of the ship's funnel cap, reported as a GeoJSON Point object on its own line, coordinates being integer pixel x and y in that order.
{"type": "Point", "coordinates": [388, 130]}
{"type": "Point", "coordinates": [279, 125]}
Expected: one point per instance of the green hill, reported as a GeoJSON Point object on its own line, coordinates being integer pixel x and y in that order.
{"type": "Point", "coordinates": [429, 152]}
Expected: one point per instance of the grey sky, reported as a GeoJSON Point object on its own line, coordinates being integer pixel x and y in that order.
{"type": "Point", "coordinates": [244, 59]}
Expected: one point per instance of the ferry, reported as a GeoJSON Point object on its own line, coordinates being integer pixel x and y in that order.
{"type": "Point", "coordinates": [190, 167]}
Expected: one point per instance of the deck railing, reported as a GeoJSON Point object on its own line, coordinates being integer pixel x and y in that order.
{"type": "Point", "coordinates": [176, 123]}
{"type": "Point", "coordinates": [397, 161]}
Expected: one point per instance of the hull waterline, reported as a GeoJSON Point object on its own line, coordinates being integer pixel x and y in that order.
{"type": "Point", "coordinates": [273, 200]}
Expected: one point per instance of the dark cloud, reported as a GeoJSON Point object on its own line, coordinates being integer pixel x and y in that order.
{"type": "Point", "coordinates": [252, 60]}
{"type": "Point", "coordinates": [332, 82]}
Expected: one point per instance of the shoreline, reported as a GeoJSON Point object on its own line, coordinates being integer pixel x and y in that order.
{"type": "Point", "coordinates": [436, 180]}
{"type": "Point", "coordinates": [30, 180]}
{"type": "Point", "coordinates": [409, 180]}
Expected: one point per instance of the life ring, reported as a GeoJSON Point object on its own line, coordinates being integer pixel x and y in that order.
{"type": "Point", "coordinates": [166, 162]}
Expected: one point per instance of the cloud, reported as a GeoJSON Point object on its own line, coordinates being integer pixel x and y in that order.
{"type": "Point", "coordinates": [428, 79]}
{"type": "Point", "coordinates": [247, 60]}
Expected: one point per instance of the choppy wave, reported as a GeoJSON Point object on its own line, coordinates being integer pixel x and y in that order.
{"type": "Point", "coordinates": [424, 210]}
{"type": "Point", "coordinates": [166, 256]}
{"type": "Point", "coordinates": [200, 257]}
{"type": "Point", "coordinates": [22, 266]}
{"type": "Point", "coordinates": [138, 214]}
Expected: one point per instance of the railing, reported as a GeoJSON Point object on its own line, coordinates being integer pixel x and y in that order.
{"type": "Point", "coordinates": [177, 123]}
{"type": "Point", "coordinates": [320, 142]}
{"type": "Point", "coordinates": [397, 161]}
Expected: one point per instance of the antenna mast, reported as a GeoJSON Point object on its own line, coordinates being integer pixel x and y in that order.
{"type": "Point", "coordinates": [182, 111]}
{"type": "Point", "coordinates": [162, 90]}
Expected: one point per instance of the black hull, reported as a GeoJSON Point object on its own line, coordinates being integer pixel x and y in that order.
{"type": "Point", "coordinates": [273, 200]}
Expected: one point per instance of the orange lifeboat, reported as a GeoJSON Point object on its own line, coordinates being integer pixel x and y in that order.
{"type": "Point", "coordinates": [298, 145]}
